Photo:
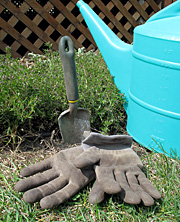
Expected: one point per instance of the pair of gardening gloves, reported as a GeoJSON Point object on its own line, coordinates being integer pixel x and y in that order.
{"type": "Point", "coordinates": [109, 159]}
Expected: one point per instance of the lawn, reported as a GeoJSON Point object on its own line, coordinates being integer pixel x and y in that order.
{"type": "Point", "coordinates": [31, 99]}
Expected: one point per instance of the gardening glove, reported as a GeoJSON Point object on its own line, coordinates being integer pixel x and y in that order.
{"type": "Point", "coordinates": [59, 179]}
{"type": "Point", "coordinates": [118, 169]}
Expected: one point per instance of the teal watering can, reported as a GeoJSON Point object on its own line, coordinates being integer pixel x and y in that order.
{"type": "Point", "coordinates": [148, 73]}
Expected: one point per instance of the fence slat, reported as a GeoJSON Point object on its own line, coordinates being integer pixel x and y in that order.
{"type": "Point", "coordinates": [153, 5]}
{"type": "Point", "coordinates": [125, 12]}
{"type": "Point", "coordinates": [1, 8]}
{"type": "Point", "coordinates": [23, 18]}
{"type": "Point", "coordinates": [27, 25]}
{"type": "Point", "coordinates": [44, 14]}
{"type": "Point", "coordinates": [113, 20]}
{"type": "Point", "coordinates": [15, 34]}
{"type": "Point", "coordinates": [143, 13]}
{"type": "Point", "coordinates": [72, 19]}
{"type": "Point", "coordinates": [3, 47]}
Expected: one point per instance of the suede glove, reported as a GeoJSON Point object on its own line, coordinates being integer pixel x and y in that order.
{"type": "Point", "coordinates": [58, 181]}
{"type": "Point", "coordinates": [118, 169]}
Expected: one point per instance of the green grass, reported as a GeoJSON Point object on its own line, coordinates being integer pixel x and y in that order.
{"type": "Point", "coordinates": [162, 171]}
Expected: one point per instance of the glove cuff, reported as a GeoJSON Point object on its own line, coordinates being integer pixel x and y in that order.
{"type": "Point", "coordinates": [102, 141]}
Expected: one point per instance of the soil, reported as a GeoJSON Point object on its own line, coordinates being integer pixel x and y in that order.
{"type": "Point", "coordinates": [37, 147]}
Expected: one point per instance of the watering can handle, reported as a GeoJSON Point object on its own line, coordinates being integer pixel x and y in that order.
{"type": "Point", "coordinates": [170, 11]}
{"type": "Point", "coordinates": [66, 50]}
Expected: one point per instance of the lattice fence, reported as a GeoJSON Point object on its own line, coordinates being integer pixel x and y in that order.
{"type": "Point", "coordinates": [27, 25]}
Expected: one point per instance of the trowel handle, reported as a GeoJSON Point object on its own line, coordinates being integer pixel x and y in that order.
{"type": "Point", "coordinates": [66, 50]}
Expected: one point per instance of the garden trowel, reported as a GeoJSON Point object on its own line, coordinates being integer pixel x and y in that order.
{"type": "Point", "coordinates": [74, 123]}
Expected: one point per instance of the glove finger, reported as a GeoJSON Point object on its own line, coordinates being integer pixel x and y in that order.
{"type": "Point", "coordinates": [148, 186]}
{"type": "Point", "coordinates": [133, 182]}
{"type": "Point", "coordinates": [37, 180]}
{"type": "Point", "coordinates": [59, 197]}
{"type": "Point", "coordinates": [126, 194]}
{"type": "Point", "coordinates": [88, 158]}
{"type": "Point", "coordinates": [38, 193]}
{"type": "Point", "coordinates": [96, 194]}
{"type": "Point", "coordinates": [106, 180]}
{"type": "Point", "coordinates": [36, 168]}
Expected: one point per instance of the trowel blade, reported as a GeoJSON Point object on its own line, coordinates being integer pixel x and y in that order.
{"type": "Point", "coordinates": [74, 129]}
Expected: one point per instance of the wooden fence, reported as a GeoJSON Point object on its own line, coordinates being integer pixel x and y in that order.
{"type": "Point", "coordinates": [27, 25]}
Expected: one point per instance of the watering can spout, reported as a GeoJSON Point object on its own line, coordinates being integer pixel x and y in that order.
{"type": "Point", "coordinates": [116, 53]}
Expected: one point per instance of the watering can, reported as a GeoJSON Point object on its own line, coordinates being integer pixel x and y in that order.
{"type": "Point", "coordinates": [148, 73]}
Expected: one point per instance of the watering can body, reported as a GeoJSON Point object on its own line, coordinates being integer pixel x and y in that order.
{"type": "Point", "coordinates": [148, 73]}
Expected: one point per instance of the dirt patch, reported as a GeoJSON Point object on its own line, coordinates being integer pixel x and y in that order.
{"type": "Point", "coordinates": [46, 144]}
{"type": "Point", "coordinates": [34, 148]}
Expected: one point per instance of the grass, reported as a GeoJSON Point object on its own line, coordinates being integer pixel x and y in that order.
{"type": "Point", "coordinates": [32, 95]}
{"type": "Point", "coordinates": [161, 170]}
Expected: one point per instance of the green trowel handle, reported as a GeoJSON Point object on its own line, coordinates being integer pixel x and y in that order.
{"type": "Point", "coordinates": [66, 50]}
